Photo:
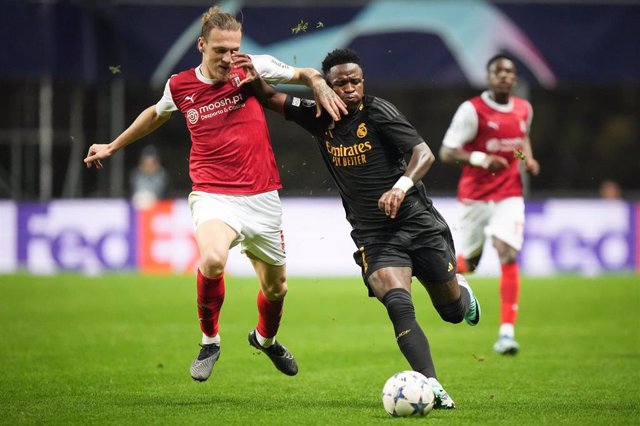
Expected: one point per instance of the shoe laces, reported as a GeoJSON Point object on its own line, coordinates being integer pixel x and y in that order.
{"type": "Point", "coordinates": [207, 350]}
{"type": "Point", "coordinates": [276, 349]}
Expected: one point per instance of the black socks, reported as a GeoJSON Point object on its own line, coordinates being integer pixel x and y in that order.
{"type": "Point", "coordinates": [411, 339]}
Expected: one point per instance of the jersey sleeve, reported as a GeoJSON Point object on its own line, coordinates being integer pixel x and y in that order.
{"type": "Point", "coordinates": [393, 125]}
{"type": "Point", "coordinates": [272, 70]}
{"type": "Point", "coordinates": [463, 127]}
{"type": "Point", "coordinates": [303, 112]}
{"type": "Point", "coordinates": [166, 105]}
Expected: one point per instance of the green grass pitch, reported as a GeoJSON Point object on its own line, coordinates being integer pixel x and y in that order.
{"type": "Point", "coordinates": [116, 349]}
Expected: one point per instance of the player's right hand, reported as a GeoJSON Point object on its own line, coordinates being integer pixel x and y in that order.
{"type": "Point", "coordinates": [390, 202]}
{"type": "Point", "coordinates": [495, 163]}
{"type": "Point", "coordinates": [97, 153]}
{"type": "Point", "coordinates": [241, 60]}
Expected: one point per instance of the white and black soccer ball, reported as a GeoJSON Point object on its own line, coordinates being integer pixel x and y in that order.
{"type": "Point", "coordinates": [407, 393]}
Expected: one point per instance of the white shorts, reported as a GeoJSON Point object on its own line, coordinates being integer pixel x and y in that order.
{"type": "Point", "coordinates": [479, 220]}
{"type": "Point", "coordinates": [257, 219]}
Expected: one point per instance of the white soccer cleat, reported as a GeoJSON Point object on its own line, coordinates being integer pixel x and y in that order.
{"type": "Point", "coordinates": [506, 345]}
{"type": "Point", "coordinates": [203, 364]}
{"type": "Point", "coordinates": [443, 400]}
{"type": "Point", "coordinates": [472, 316]}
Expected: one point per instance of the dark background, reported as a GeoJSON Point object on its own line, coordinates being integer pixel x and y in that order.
{"type": "Point", "coordinates": [585, 127]}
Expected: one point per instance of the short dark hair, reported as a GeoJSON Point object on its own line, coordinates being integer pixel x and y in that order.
{"type": "Point", "coordinates": [498, 57]}
{"type": "Point", "coordinates": [339, 57]}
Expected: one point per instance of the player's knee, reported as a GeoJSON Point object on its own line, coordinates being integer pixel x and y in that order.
{"type": "Point", "coordinates": [212, 264]}
{"type": "Point", "coordinates": [277, 290]}
{"type": "Point", "coordinates": [399, 305]}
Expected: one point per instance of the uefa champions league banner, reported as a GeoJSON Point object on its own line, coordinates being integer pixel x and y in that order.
{"type": "Point", "coordinates": [588, 237]}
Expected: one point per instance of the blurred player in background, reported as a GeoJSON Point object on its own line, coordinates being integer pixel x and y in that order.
{"type": "Point", "coordinates": [489, 137]}
{"type": "Point", "coordinates": [235, 178]}
{"type": "Point", "coordinates": [398, 231]}
{"type": "Point", "coordinates": [148, 180]}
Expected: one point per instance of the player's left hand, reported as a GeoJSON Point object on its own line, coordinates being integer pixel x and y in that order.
{"type": "Point", "coordinates": [327, 99]}
{"type": "Point", "coordinates": [242, 60]}
{"type": "Point", "coordinates": [532, 166]}
{"type": "Point", "coordinates": [390, 202]}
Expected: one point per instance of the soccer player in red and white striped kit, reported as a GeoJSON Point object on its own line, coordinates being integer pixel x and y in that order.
{"type": "Point", "coordinates": [489, 137]}
{"type": "Point", "coordinates": [234, 198]}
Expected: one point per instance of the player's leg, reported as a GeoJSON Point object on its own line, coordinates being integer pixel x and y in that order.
{"type": "Point", "coordinates": [474, 217]}
{"type": "Point", "coordinates": [392, 287]}
{"type": "Point", "coordinates": [212, 217]}
{"type": "Point", "coordinates": [214, 238]}
{"type": "Point", "coordinates": [507, 232]}
{"type": "Point", "coordinates": [264, 246]}
{"type": "Point", "coordinates": [454, 300]}
{"type": "Point", "coordinates": [509, 295]}
{"type": "Point", "coordinates": [434, 266]}
{"type": "Point", "coordinates": [433, 255]}
{"type": "Point", "coordinates": [273, 289]}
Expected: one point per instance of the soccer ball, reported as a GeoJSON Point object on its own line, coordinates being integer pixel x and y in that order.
{"type": "Point", "coordinates": [407, 393]}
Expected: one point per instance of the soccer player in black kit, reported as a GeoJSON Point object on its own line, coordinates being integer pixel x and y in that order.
{"type": "Point", "coordinates": [398, 231]}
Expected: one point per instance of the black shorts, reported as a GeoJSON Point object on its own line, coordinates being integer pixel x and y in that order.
{"type": "Point", "coordinates": [423, 243]}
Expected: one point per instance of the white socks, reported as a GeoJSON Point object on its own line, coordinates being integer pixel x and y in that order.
{"type": "Point", "coordinates": [506, 330]}
{"type": "Point", "coordinates": [206, 340]}
{"type": "Point", "coordinates": [264, 341]}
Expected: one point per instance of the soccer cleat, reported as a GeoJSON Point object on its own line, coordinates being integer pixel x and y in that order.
{"type": "Point", "coordinates": [203, 364]}
{"type": "Point", "coordinates": [472, 317]}
{"type": "Point", "coordinates": [506, 345]}
{"type": "Point", "coordinates": [278, 354]}
{"type": "Point", "coordinates": [442, 401]}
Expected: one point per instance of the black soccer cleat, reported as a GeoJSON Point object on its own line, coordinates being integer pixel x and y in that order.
{"type": "Point", "coordinates": [203, 364]}
{"type": "Point", "coordinates": [278, 354]}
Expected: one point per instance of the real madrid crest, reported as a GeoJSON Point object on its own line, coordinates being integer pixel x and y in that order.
{"type": "Point", "coordinates": [362, 130]}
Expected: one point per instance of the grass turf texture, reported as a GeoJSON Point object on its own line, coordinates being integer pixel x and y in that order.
{"type": "Point", "coordinates": [117, 349]}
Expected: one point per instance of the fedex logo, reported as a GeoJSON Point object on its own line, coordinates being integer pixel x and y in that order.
{"type": "Point", "coordinates": [80, 236]}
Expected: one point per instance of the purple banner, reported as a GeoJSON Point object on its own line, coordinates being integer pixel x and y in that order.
{"type": "Point", "coordinates": [80, 236]}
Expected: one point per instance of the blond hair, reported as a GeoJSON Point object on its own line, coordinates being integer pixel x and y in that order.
{"type": "Point", "coordinates": [216, 18]}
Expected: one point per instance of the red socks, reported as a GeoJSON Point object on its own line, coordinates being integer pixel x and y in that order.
{"type": "Point", "coordinates": [269, 314]}
{"type": "Point", "coordinates": [509, 290]}
{"type": "Point", "coordinates": [210, 299]}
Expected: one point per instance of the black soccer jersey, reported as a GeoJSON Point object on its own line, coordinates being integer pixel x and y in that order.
{"type": "Point", "coordinates": [365, 155]}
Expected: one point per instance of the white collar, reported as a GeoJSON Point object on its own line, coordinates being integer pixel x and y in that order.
{"type": "Point", "coordinates": [486, 97]}
{"type": "Point", "coordinates": [201, 76]}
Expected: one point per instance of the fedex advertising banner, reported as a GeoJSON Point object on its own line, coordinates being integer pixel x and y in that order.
{"type": "Point", "coordinates": [588, 237]}
{"type": "Point", "coordinates": [74, 235]}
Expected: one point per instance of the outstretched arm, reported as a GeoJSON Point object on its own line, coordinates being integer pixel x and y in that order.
{"type": "Point", "coordinates": [266, 94]}
{"type": "Point", "coordinates": [145, 123]}
{"type": "Point", "coordinates": [419, 164]}
{"type": "Point", "coordinates": [325, 96]}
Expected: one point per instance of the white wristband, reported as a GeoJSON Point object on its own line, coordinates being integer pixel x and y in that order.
{"type": "Point", "coordinates": [479, 159]}
{"type": "Point", "coordinates": [405, 183]}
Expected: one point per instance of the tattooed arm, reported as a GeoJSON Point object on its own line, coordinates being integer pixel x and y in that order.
{"type": "Point", "coordinates": [325, 96]}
